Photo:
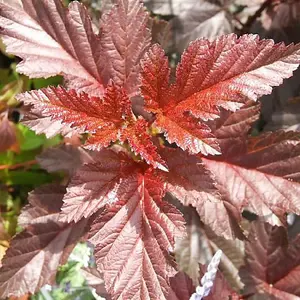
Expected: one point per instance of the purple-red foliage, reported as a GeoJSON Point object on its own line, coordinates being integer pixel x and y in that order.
{"type": "Point", "coordinates": [116, 193]}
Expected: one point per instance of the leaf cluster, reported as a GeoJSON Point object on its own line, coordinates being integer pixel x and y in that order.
{"type": "Point", "coordinates": [153, 155]}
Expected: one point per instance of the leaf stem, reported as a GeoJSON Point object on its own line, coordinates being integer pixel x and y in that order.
{"type": "Point", "coordinates": [17, 166]}
{"type": "Point", "coordinates": [254, 17]}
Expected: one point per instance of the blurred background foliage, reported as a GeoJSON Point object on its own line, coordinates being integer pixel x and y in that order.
{"type": "Point", "coordinates": [19, 171]}
{"type": "Point", "coordinates": [20, 174]}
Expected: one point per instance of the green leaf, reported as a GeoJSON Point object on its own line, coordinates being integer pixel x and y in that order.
{"type": "Point", "coordinates": [16, 177]}
{"type": "Point", "coordinates": [53, 141]}
{"type": "Point", "coordinates": [71, 283]}
{"type": "Point", "coordinates": [24, 156]}
{"type": "Point", "coordinates": [29, 140]}
{"type": "Point", "coordinates": [4, 73]}
{"type": "Point", "coordinates": [6, 157]}
{"type": "Point", "coordinates": [5, 198]}
{"type": "Point", "coordinates": [10, 209]}
{"type": "Point", "coordinates": [70, 273]}
{"type": "Point", "coordinates": [39, 83]}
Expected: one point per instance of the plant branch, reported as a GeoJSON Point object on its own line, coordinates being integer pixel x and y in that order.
{"type": "Point", "coordinates": [17, 166]}
{"type": "Point", "coordinates": [254, 17]}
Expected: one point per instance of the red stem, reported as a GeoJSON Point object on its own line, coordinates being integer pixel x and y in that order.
{"type": "Point", "coordinates": [20, 165]}
{"type": "Point", "coordinates": [254, 17]}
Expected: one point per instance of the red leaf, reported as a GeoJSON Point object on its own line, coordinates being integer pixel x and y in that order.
{"type": "Point", "coordinates": [231, 71]}
{"type": "Point", "coordinates": [192, 184]}
{"type": "Point", "coordinates": [44, 203]}
{"type": "Point", "coordinates": [42, 124]}
{"type": "Point", "coordinates": [140, 142]}
{"type": "Point", "coordinates": [200, 19]}
{"type": "Point", "coordinates": [63, 158]}
{"type": "Point", "coordinates": [199, 245]}
{"type": "Point", "coordinates": [8, 136]}
{"type": "Point", "coordinates": [107, 119]}
{"type": "Point", "coordinates": [181, 287]}
{"type": "Point", "coordinates": [258, 174]}
{"type": "Point", "coordinates": [52, 40]}
{"type": "Point", "coordinates": [281, 15]}
{"type": "Point", "coordinates": [96, 184]}
{"type": "Point", "coordinates": [124, 39]}
{"type": "Point", "coordinates": [132, 240]}
{"type": "Point", "coordinates": [232, 129]}
{"type": "Point", "coordinates": [95, 280]}
{"type": "Point", "coordinates": [193, 19]}
{"type": "Point", "coordinates": [103, 117]}
{"type": "Point", "coordinates": [35, 253]}
{"type": "Point", "coordinates": [188, 133]}
{"type": "Point", "coordinates": [161, 32]}
{"type": "Point", "coordinates": [184, 130]}
{"type": "Point", "coordinates": [271, 263]}
{"type": "Point", "coordinates": [259, 192]}
{"type": "Point", "coordinates": [274, 153]}
{"type": "Point", "coordinates": [261, 176]}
